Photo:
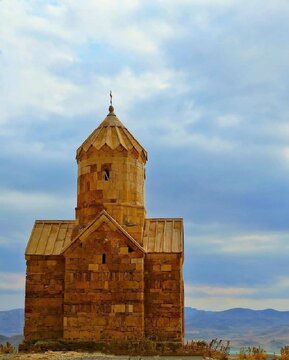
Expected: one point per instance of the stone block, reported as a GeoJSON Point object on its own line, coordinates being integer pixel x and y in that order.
{"type": "Point", "coordinates": [93, 267]}
{"type": "Point", "coordinates": [139, 266]}
{"type": "Point", "coordinates": [132, 320]}
{"type": "Point", "coordinates": [118, 308]}
{"type": "Point", "coordinates": [123, 250]}
{"type": "Point", "coordinates": [98, 259]}
{"type": "Point", "coordinates": [166, 267]}
{"type": "Point", "coordinates": [157, 267]}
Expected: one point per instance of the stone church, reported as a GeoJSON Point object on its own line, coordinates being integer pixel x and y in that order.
{"type": "Point", "coordinates": [112, 274]}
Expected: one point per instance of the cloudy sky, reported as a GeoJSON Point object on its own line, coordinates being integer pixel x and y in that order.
{"type": "Point", "coordinates": [202, 84]}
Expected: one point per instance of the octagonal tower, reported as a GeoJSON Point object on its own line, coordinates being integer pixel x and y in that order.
{"type": "Point", "coordinates": [111, 176]}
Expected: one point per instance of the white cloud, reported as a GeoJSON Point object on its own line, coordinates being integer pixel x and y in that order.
{"type": "Point", "coordinates": [27, 82]}
{"type": "Point", "coordinates": [36, 149]}
{"type": "Point", "coordinates": [117, 24]}
{"type": "Point", "coordinates": [229, 120]}
{"type": "Point", "coordinates": [220, 238]}
{"type": "Point", "coordinates": [36, 37]}
{"type": "Point", "coordinates": [221, 297]}
{"type": "Point", "coordinates": [179, 134]}
{"type": "Point", "coordinates": [249, 242]}
{"type": "Point", "coordinates": [35, 202]}
{"type": "Point", "coordinates": [11, 301]}
{"type": "Point", "coordinates": [285, 153]}
{"type": "Point", "coordinates": [13, 239]}
{"type": "Point", "coordinates": [130, 87]}
{"type": "Point", "coordinates": [11, 281]}
{"type": "Point", "coordinates": [282, 282]}
{"type": "Point", "coordinates": [217, 291]}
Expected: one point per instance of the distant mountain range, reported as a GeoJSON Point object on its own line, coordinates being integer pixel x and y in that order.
{"type": "Point", "coordinates": [11, 326]}
{"type": "Point", "coordinates": [243, 327]}
{"type": "Point", "coordinates": [11, 322]}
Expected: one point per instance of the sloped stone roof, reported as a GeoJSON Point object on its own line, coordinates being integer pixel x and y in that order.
{"type": "Point", "coordinates": [113, 134]}
{"type": "Point", "coordinates": [52, 237]}
{"type": "Point", "coordinates": [163, 235]}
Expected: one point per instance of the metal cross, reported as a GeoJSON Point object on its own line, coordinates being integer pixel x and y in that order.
{"type": "Point", "coordinates": [110, 94]}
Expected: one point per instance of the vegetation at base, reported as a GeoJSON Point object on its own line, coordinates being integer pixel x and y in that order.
{"type": "Point", "coordinates": [252, 353]}
{"type": "Point", "coordinates": [284, 352]}
{"type": "Point", "coordinates": [6, 348]}
{"type": "Point", "coordinates": [217, 349]}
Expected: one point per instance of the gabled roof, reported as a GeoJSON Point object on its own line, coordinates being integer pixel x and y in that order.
{"type": "Point", "coordinates": [49, 237]}
{"type": "Point", "coordinates": [163, 236]}
{"type": "Point", "coordinates": [113, 134]}
{"type": "Point", "coordinates": [53, 237]}
{"type": "Point", "coordinates": [103, 217]}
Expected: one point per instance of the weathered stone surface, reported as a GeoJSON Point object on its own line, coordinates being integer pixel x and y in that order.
{"type": "Point", "coordinates": [100, 305]}
{"type": "Point", "coordinates": [163, 297]}
{"type": "Point", "coordinates": [95, 279]}
{"type": "Point", "coordinates": [44, 298]}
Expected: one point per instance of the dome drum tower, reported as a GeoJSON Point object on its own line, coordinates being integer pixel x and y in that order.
{"type": "Point", "coordinates": [111, 176]}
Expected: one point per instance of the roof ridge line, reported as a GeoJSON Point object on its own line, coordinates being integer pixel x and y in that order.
{"type": "Point", "coordinates": [53, 221]}
{"type": "Point", "coordinates": [158, 218]}
{"type": "Point", "coordinates": [105, 213]}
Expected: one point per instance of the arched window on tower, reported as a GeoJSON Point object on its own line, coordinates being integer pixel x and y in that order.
{"type": "Point", "coordinates": [104, 258]}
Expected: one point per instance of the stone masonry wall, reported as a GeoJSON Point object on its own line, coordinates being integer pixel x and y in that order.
{"type": "Point", "coordinates": [44, 297]}
{"type": "Point", "coordinates": [111, 180]}
{"type": "Point", "coordinates": [104, 288]}
{"type": "Point", "coordinates": [164, 307]}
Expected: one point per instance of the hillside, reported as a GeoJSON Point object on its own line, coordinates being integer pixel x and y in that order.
{"type": "Point", "coordinates": [11, 322]}
{"type": "Point", "coordinates": [268, 328]}
{"type": "Point", "coordinates": [244, 327]}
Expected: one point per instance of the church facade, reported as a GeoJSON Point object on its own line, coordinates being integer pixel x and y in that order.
{"type": "Point", "coordinates": [112, 274]}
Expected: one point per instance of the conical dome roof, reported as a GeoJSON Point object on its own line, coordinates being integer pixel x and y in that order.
{"type": "Point", "coordinates": [113, 134]}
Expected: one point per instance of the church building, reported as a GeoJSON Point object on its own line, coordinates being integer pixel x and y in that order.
{"type": "Point", "coordinates": [112, 274]}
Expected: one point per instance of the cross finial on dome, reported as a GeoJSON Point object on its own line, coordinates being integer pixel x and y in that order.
{"type": "Point", "coordinates": [111, 108]}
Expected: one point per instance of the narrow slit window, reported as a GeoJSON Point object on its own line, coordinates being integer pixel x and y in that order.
{"type": "Point", "coordinates": [130, 249]}
{"type": "Point", "coordinates": [106, 175]}
{"type": "Point", "coordinates": [104, 258]}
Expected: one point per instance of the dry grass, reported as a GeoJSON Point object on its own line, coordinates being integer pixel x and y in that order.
{"type": "Point", "coordinates": [284, 352]}
{"type": "Point", "coordinates": [217, 349]}
{"type": "Point", "coordinates": [6, 348]}
{"type": "Point", "coordinates": [252, 353]}
{"type": "Point", "coordinates": [54, 355]}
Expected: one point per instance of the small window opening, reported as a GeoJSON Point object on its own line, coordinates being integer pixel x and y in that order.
{"type": "Point", "coordinates": [106, 175]}
{"type": "Point", "coordinates": [130, 249]}
{"type": "Point", "coordinates": [104, 258]}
